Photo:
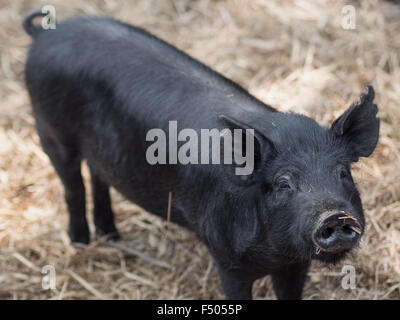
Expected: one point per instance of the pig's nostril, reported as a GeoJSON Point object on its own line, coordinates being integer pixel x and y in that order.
{"type": "Point", "coordinates": [348, 230]}
{"type": "Point", "coordinates": [327, 233]}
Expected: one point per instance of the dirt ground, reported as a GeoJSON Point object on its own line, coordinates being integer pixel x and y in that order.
{"type": "Point", "coordinates": [294, 55]}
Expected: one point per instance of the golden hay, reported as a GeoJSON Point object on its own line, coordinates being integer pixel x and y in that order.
{"type": "Point", "coordinates": [293, 55]}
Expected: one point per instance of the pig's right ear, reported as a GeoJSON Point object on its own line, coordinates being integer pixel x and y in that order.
{"type": "Point", "coordinates": [359, 126]}
{"type": "Point", "coordinates": [249, 145]}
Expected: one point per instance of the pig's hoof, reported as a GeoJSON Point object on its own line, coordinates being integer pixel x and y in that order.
{"type": "Point", "coordinates": [83, 238]}
{"type": "Point", "coordinates": [109, 236]}
{"type": "Point", "coordinates": [112, 237]}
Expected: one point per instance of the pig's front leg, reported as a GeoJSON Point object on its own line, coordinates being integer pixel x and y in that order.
{"type": "Point", "coordinates": [289, 281]}
{"type": "Point", "coordinates": [235, 288]}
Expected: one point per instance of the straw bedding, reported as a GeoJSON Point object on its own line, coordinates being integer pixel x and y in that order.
{"type": "Point", "coordinates": [293, 55]}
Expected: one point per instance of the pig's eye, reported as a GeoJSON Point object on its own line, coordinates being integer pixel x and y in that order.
{"type": "Point", "coordinates": [283, 183]}
{"type": "Point", "coordinates": [343, 173]}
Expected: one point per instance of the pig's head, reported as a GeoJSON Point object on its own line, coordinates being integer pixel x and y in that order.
{"type": "Point", "coordinates": [308, 204]}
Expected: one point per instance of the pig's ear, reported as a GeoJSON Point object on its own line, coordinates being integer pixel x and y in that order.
{"type": "Point", "coordinates": [359, 126]}
{"type": "Point", "coordinates": [255, 148]}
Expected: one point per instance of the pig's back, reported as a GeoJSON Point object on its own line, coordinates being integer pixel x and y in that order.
{"type": "Point", "coordinates": [144, 73]}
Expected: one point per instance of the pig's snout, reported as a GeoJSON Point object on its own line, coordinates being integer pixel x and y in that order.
{"type": "Point", "coordinates": [336, 231]}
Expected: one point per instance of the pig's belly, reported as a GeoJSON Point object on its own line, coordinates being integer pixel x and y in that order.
{"type": "Point", "coordinates": [154, 201]}
{"type": "Point", "coordinates": [136, 185]}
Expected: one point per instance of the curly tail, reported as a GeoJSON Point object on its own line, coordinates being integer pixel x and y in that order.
{"type": "Point", "coordinates": [27, 24]}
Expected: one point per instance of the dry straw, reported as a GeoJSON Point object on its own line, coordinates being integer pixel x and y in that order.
{"type": "Point", "coordinates": [293, 55]}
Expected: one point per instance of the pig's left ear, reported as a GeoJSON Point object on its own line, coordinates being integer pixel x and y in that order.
{"type": "Point", "coordinates": [359, 125]}
{"type": "Point", "coordinates": [255, 148]}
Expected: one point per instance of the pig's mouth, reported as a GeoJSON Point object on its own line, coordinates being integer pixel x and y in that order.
{"type": "Point", "coordinates": [336, 233]}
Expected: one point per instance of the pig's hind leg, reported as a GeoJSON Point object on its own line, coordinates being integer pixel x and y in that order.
{"type": "Point", "coordinates": [102, 212]}
{"type": "Point", "coordinates": [66, 160]}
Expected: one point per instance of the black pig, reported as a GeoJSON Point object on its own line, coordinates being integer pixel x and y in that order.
{"type": "Point", "coordinates": [98, 86]}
